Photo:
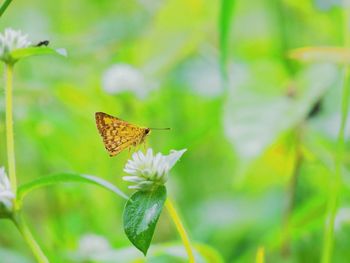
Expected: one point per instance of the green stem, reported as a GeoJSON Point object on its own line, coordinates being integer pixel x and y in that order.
{"type": "Point", "coordinates": [9, 127]}
{"type": "Point", "coordinates": [226, 11]}
{"type": "Point", "coordinates": [260, 255]}
{"type": "Point", "coordinates": [291, 193]}
{"type": "Point", "coordinates": [4, 6]}
{"type": "Point", "coordinates": [282, 22]}
{"type": "Point", "coordinates": [336, 181]}
{"type": "Point", "coordinates": [180, 228]}
{"type": "Point", "coordinates": [28, 237]}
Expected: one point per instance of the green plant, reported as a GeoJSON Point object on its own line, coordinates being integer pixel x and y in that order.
{"type": "Point", "coordinates": [13, 47]}
{"type": "Point", "coordinates": [142, 210]}
{"type": "Point", "coordinates": [148, 172]}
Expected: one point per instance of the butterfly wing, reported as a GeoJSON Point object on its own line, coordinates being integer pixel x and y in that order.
{"type": "Point", "coordinates": [118, 134]}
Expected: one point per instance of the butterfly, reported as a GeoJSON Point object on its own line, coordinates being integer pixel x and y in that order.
{"type": "Point", "coordinates": [117, 134]}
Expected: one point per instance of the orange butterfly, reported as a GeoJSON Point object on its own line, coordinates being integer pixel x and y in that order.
{"type": "Point", "coordinates": [118, 135]}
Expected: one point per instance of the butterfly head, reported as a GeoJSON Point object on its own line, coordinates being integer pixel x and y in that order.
{"type": "Point", "coordinates": [147, 131]}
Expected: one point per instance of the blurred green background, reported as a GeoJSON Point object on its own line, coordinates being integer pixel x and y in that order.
{"type": "Point", "coordinates": [260, 153]}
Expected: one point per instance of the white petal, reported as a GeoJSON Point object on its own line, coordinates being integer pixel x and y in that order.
{"type": "Point", "coordinates": [174, 156]}
{"type": "Point", "coordinates": [7, 195]}
{"type": "Point", "coordinates": [132, 172]}
{"type": "Point", "coordinates": [146, 170]}
{"type": "Point", "coordinates": [133, 179]}
{"type": "Point", "coordinates": [12, 40]}
{"type": "Point", "coordinates": [4, 181]}
{"type": "Point", "coordinates": [149, 156]}
{"type": "Point", "coordinates": [135, 157]}
{"type": "Point", "coordinates": [129, 165]}
{"type": "Point", "coordinates": [129, 168]}
{"type": "Point", "coordinates": [157, 160]}
{"type": "Point", "coordinates": [142, 156]}
{"type": "Point", "coordinates": [162, 171]}
{"type": "Point", "coordinates": [134, 187]}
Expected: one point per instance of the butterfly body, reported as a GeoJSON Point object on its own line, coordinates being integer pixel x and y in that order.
{"type": "Point", "coordinates": [117, 134]}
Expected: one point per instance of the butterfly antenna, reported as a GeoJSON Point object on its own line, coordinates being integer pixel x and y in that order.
{"type": "Point", "coordinates": [160, 129]}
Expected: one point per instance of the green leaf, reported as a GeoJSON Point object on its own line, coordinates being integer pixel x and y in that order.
{"type": "Point", "coordinates": [34, 51]}
{"type": "Point", "coordinates": [141, 214]}
{"type": "Point", "coordinates": [224, 27]}
{"type": "Point", "coordinates": [24, 189]}
{"type": "Point", "coordinates": [182, 38]}
{"type": "Point", "coordinates": [254, 121]}
{"type": "Point", "coordinates": [4, 6]}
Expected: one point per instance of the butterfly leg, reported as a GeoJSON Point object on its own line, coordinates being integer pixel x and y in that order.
{"type": "Point", "coordinates": [137, 147]}
{"type": "Point", "coordinates": [129, 152]}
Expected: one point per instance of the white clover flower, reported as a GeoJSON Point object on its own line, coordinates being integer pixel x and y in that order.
{"type": "Point", "coordinates": [91, 244]}
{"type": "Point", "coordinates": [11, 40]}
{"type": "Point", "coordinates": [6, 195]}
{"type": "Point", "coordinates": [123, 77]}
{"type": "Point", "coordinates": [342, 218]}
{"type": "Point", "coordinates": [151, 5]}
{"type": "Point", "coordinates": [148, 171]}
{"type": "Point", "coordinates": [202, 76]}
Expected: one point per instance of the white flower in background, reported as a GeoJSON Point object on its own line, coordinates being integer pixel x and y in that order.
{"type": "Point", "coordinates": [6, 195]}
{"type": "Point", "coordinates": [342, 218]}
{"type": "Point", "coordinates": [326, 5]}
{"type": "Point", "coordinates": [148, 170]}
{"type": "Point", "coordinates": [123, 77]}
{"type": "Point", "coordinates": [11, 40]}
{"type": "Point", "coordinates": [202, 76]}
{"type": "Point", "coordinates": [151, 5]}
{"type": "Point", "coordinates": [91, 244]}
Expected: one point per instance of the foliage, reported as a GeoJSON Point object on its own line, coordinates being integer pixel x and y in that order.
{"type": "Point", "coordinates": [261, 150]}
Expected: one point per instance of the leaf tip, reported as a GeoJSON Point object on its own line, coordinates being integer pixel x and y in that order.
{"type": "Point", "coordinates": [62, 51]}
{"type": "Point", "coordinates": [144, 251]}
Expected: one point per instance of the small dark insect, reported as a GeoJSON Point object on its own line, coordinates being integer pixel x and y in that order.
{"type": "Point", "coordinates": [316, 109]}
{"type": "Point", "coordinates": [43, 43]}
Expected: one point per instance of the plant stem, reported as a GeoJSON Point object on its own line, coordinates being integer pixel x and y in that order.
{"type": "Point", "coordinates": [9, 127]}
{"type": "Point", "coordinates": [225, 17]}
{"type": "Point", "coordinates": [336, 180]}
{"type": "Point", "coordinates": [260, 255]}
{"type": "Point", "coordinates": [180, 228]}
{"type": "Point", "coordinates": [335, 183]}
{"type": "Point", "coordinates": [291, 193]}
{"type": "Point", "coordinates": [28, 237]}
{"type": "Point", "coordinates": [4, 6]}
